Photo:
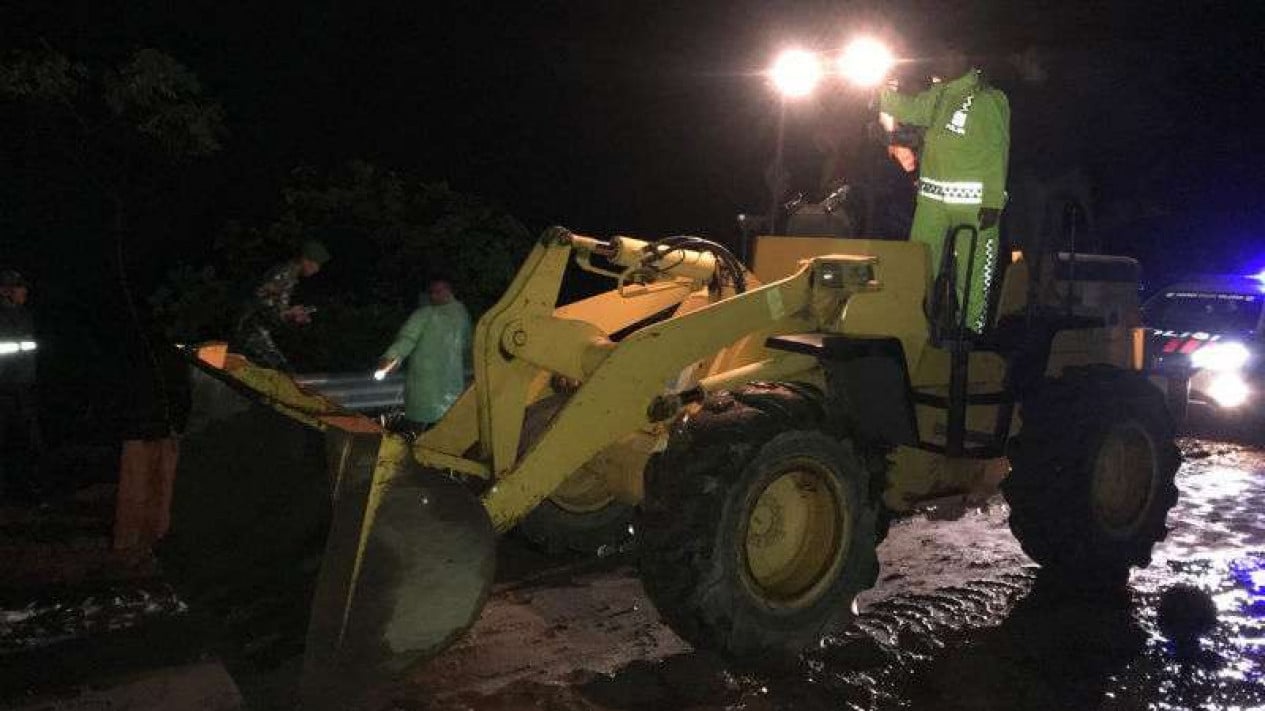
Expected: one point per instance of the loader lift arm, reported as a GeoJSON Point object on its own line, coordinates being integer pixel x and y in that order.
{"type": "Point", "coordinates": [523, 336]}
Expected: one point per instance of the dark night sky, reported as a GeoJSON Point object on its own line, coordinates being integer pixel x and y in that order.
{"type": "Point", "coordinates": [644, 116]}
{"type": "Point", "coordinates": [650, 117]}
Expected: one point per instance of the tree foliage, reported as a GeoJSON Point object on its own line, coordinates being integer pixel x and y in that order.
{"type": "Point", "coordinates": [147, 106]}
{"type": "Point", "coordinates": [389, 232]}
{"type": "Point", "coordinates": [162, 101]}
{"type": "Point", "coordinates": [99, 157]}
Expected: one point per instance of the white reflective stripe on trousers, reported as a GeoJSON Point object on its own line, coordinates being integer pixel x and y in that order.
{"type": "Point", "coordinates": [12, 347]}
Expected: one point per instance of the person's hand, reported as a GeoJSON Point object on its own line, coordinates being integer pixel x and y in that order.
{"type": "Point", "coordinates": [385, 366]}
{"type": "Point", "coordinates": [904, 157]}
{"type": "Point", "coordinates": [988, 217]}
{"type": "Point", "coordinates": [298, 314]}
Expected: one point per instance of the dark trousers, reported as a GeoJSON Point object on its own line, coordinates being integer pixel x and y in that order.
{"type": "Point", "coordinates": [255, 342]}
{"type": "Point", "coordinates": [19, 442]}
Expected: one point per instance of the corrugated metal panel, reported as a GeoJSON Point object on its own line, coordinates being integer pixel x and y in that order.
{"type": "Point", "coordinates": [358, 391]}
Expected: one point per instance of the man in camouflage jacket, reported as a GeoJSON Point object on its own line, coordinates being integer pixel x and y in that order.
{"type": "Point", "coordinates": [270, 307]}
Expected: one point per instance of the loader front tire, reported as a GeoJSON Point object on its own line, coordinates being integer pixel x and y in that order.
{"type": "Point", "coordinates": [578, 524]}
{"type": "Point", "coordinates": [1092, 472]}
{"type": "Point", "coordinates": [581, 516]}
{"type": "Point", "coordinates": [754, 541]}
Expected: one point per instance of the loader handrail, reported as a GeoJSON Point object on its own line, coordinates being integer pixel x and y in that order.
{"type": "Point", "coordinates": [959, 344]}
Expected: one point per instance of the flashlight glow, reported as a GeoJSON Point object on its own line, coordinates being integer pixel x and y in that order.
{"type": "Point", "coordinates": [380, 374]}
{"type": "Point", "coordinates": [866, 61]}
{"type": "Point", "coordinates": [796, 73]}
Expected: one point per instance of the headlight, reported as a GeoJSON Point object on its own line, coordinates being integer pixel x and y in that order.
{"type": "Point", "coordinates": [796, 73]}
{"type": "Point", "coordinates": [11, 347]}
{"type": "Point", "coordinates": [866, 62]}
{"type": "Point", "coordinates": [1221, 356]}
{"type": "Point", "coordinates": [1229, 390]}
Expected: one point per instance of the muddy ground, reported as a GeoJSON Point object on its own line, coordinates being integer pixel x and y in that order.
{"type": "Point", "coordinates": [960, 619]}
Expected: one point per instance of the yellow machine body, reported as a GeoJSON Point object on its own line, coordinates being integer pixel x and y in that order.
{"type": "Point", "coordinates": [622, 393]}
{"type": "Point", "coordinates": [617, 369]}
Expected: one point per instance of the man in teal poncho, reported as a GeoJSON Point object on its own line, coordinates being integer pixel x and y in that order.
{"type": "Point", "coordinates": [434, 347]}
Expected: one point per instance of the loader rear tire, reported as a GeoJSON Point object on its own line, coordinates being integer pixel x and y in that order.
{"type": "Point", "coordinates": [1092, 472]}
{"type": "Point", "coordinates": [757, 530]}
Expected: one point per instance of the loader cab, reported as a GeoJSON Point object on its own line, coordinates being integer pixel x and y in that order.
{"type": "Point", "coordinates": [960, 389]}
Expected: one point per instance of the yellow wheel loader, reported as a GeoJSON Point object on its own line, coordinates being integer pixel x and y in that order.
{"type": "Point", "coordinates": [756, 429]}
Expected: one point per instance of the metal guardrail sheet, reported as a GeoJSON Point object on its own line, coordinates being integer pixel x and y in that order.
{"type": "Point", "coordinates": [358, 392]}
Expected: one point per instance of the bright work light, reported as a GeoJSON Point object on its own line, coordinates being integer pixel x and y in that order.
{"type": "Point", "coordinates": [866, 61]}
{"type": "Point", "coordinates": [796, 73]}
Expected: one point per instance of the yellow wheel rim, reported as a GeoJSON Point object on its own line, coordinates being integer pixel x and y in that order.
{"type": "Point", "coordinates": [1124, 478]}
{"type": "Point", "coordinates": [583, 492]}
{"type": "Point", "coordinates": [796, 535]}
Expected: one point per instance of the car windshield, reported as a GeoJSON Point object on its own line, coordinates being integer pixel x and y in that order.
{"type": "Point", "coordinates": [1211, 312]}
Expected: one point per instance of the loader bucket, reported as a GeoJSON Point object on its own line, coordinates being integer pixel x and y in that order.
{"type": "Point", "coordinates": [298, 526]}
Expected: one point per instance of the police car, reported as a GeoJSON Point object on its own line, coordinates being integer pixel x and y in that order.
{"type": "Point", "coordinates": [1206, 343]}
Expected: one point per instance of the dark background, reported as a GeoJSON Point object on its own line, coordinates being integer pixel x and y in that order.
{"type": "Point", "coordinates": [631, 117]}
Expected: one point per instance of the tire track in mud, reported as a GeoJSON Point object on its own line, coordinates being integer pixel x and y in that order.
{"type": "Point", "coordinates": [867, 665]}
{"type": "Point", "coordinates": [871, 663]}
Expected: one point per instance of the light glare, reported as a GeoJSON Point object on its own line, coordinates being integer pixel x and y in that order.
{"type": "Point", "coordinates": [866, 61]}
{"type": "Point", "coordinates": [796, 73]}
{"type": "Point", "coordinates": [1229, 390]}
{"type": "Point", "coordinates": [1221, 356]}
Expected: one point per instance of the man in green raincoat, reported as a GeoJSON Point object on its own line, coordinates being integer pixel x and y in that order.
{"type": "Point", "coordinates": [963, 171]}
{"type": "Point", "coordinates": [434, 347]}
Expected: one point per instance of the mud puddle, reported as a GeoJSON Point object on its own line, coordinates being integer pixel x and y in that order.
{"type": "Point", "coordinates": [1011, 642]}
{"type": "Point", "coordinates": [61, 642]}
{"type": "Point", "coordinates": [57, 616]}
{"type": "Point", "coordinates": [960, 619]}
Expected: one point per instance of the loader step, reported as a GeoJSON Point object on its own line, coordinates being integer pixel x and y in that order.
{"type": "Point", "coordinates": [999, 397]}
{"type": "Point", "coordinates": [989, 451]}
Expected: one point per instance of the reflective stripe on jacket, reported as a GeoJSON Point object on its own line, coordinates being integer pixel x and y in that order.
{"type": "Point", "coordinates": [17, 346]}
{"type": "Point", "coordinates": [967, 143]}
